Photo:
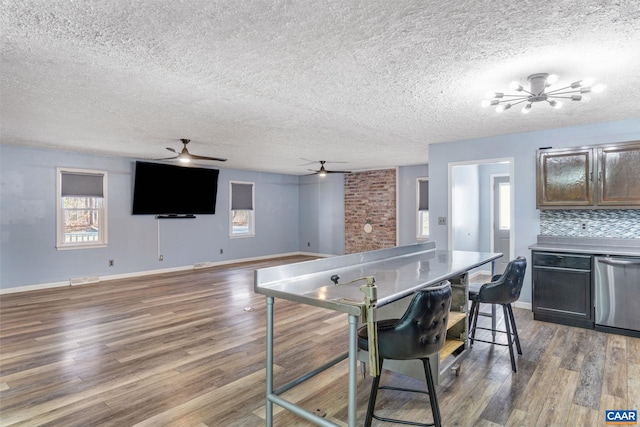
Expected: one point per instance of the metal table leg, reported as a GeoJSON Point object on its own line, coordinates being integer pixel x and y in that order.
{"type": "Point", "coordinates": [493, 306]}
{"type": "Point", "coordinates": [353, 368]}
{"type": "Point", "coordinates": [269, 367]}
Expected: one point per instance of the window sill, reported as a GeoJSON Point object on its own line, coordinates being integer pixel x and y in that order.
{"type": "Point", "coordinates": [241, 236]}
{"type": "Point", "coordinates": [85, 246]}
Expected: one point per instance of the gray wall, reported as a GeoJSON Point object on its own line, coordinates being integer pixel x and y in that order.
{"type": "Point", "coordinates": [522, 147]}
{"type": "Point", "coordinates": [407, 207]}
{"type": "Point", "coordinates": [321, 214]}
{"type": "Point", "coordinates": [465, 220]}
{"type": "Point", "coordinates": [28, 255]}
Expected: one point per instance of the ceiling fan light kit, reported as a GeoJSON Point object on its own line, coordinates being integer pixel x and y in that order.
{"type": "Point", "coordinates": [538, 92]}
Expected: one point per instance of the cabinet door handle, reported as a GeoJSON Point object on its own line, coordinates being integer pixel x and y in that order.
{"type": "Point", "coordinates": [591, 176]}
{"type": "Point", "coordinates": [599, 176]}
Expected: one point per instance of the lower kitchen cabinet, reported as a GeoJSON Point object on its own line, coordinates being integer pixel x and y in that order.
{"type": "Point", "coordinates": [562, 288]}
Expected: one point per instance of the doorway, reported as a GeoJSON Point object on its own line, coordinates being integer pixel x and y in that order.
{"type": "Point", "coordinates": [481, 216]}
{"type": "Point", "coordinates": [501, 218]}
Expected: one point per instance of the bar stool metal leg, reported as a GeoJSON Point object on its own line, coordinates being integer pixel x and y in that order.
{"type": "Point", "coordinates": [507, 324]}
{"type": "Point", "coordinates": [515, 330]}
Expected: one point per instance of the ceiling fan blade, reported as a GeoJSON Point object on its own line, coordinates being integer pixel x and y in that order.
{"type": "Point", "coordinates": [217, 159]}
{"type": "Point", "coordinates": [172, 150]}
{"type": "Point", "coordinates": [310, 162]}
{"type": "Point", "coordinates": [167, 158]}
{"type": "Point", "coordinates": [338, 171]}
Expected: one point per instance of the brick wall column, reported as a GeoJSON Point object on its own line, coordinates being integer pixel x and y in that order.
{"type": "Point", "coordinates": [370, 197]}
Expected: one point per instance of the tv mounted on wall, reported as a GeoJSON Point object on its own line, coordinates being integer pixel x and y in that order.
{"type": "Point", "coordinates": [161, 189]}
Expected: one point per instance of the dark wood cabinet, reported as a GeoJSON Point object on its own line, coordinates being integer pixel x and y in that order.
{"type": "Point", "coordinates": [604, 176]}
{"type": "Point", "coordinates": [619, 175]}
{"type": "Point", "coordinates": [565, 177]}
{"type": "Point", "coordinates": [562, 288]}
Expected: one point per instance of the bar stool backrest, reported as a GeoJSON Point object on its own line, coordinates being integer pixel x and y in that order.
{"type": "Point", "coordinates": [506, 288]}
{"type": "Point", "coordinates": [422, 330]}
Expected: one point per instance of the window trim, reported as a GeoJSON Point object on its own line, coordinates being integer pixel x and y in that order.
{"type": "Point", "coordinates": [252, 229]}
{"type": "Point", "coordinates": [60, 243]}
{"type": "Point", "coordinates": [419, 235]}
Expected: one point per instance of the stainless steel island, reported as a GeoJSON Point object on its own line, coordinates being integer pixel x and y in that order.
{"type": "Point", "coordinates": [335, 284]}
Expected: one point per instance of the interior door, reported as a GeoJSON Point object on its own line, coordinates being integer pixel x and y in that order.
{"type": "Point", "coordinates": [501, 220]}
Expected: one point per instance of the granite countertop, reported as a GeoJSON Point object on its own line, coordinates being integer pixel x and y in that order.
{"type": "Point", "coordinates": [588, 245]}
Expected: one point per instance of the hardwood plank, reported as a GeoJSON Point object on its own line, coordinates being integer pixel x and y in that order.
{"type": "Point", "coordinates": [633, 386]}
{"type": "Point", "coordinates": [555, 409]}
{"type": "Point", "coordinates": [614, 380]}
{"type": "Point", "coordinates": [582, 416]}
{"type": "Point", "coordinates": [592, 372]}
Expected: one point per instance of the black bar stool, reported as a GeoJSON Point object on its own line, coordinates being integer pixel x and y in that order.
{"type": "Point", "coordinates": [504, 289]}
{"type": "Point", "coordinates": [420, 332]}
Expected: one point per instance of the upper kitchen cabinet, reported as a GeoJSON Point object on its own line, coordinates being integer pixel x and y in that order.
{"type": "Point", "coordinates": [619, 175]}
{"type": "Point", "coordinates": [565, 178]}
{"type": "Point", "coordinates": [603, 176]}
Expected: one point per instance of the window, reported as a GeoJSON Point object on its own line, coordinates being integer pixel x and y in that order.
{"type": "Point", "coordinates": [81, 208]}
{"type": "Point", "coordinates": [241, 218]}
{"type": "Point", "coordinates": [422, 196]}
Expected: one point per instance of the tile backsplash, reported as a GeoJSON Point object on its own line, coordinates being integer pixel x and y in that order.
{"type": "Point", "coordinates": [615, 223]}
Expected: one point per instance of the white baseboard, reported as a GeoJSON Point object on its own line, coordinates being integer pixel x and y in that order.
{"type": "Point", "coordinates": [27, 288]}
{"type": "Point", "coordinates": [475, 274]}
{"type": "Point", "coordinates": [525, 305]}
{"type": "Point", "coordinates": [84, 280]}
{"type": "Point", "coordinates": [87, 280]}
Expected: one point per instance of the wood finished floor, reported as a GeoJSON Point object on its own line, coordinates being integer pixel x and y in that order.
{"type": "Point", "coordinates": [179, 349]}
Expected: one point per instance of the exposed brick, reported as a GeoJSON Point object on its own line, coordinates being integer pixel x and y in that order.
{"type": "Point", "coordinates": [370, 196]}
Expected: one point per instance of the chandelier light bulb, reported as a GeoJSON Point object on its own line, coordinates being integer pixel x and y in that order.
{"type": "Point", "coordinates": [488, 102]}
{"type": "Point", "coordinates": [526, 108]}
{"type": "Point", "coordinates": [576, 97]}
{"type": "Point", "coordinates": [555, 104]}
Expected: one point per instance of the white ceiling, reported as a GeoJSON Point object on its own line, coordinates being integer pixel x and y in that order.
{"type": "Point", "coordinates": [266, 83]}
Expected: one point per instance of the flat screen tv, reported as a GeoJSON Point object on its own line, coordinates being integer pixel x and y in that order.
{"type": "Point", "coordinates": [161, 189]}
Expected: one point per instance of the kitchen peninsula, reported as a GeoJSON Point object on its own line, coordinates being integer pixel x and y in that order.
{"type": "Point", "coordinates": [334, 283]}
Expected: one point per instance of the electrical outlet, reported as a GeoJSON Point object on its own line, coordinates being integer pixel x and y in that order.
{"type": "Point", "coordinates": [110, 263]}
{"type": "Point", "coordinates": [160, 257]}
{"type": "Point", "coordinates": [442, 220]}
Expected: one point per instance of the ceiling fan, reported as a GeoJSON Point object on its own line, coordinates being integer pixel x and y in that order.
{"type": "Point", "coordinates": [185, 157]}
{"type": "Point", "coordinates": [323, 172]}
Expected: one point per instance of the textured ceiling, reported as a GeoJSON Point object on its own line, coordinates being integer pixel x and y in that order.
{"type": "Point", "coordinates": [266, 83]}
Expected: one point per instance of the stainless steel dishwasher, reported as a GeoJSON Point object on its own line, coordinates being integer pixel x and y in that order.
{"type": "Point", "coordinates": [617, 294]}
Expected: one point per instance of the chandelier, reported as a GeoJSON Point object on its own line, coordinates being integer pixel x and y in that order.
{"type": "Point", "coordinates": [538, 84]}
